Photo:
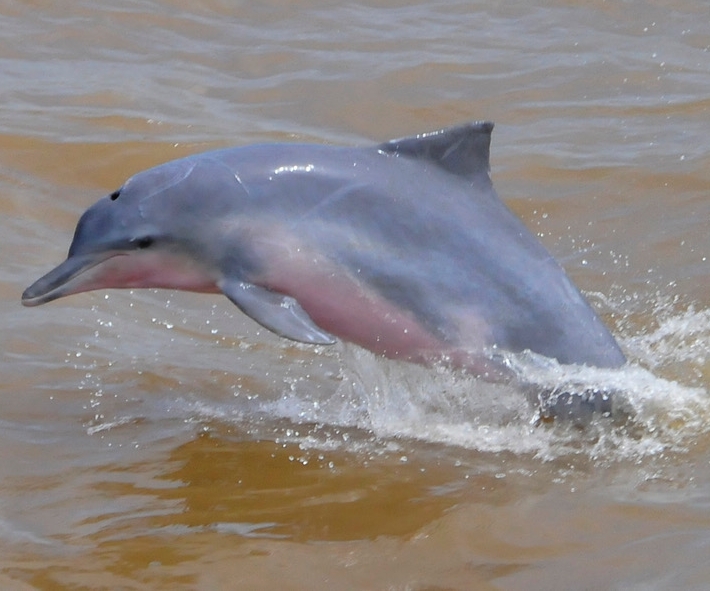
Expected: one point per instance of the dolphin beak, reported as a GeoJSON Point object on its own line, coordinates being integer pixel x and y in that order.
{"type": "Point", "coordinates": [66, 279]}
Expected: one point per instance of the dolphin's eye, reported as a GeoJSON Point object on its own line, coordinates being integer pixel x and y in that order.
{"type": "Point", "coordinates": [144, 242]}
{"type": "Point", "coordinates": [115, 195]}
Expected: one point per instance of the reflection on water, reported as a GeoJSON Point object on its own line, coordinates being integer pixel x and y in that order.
{"type": "Point", "coordinates": [153, 440]}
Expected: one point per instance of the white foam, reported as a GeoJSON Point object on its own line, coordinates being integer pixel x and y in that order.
{"type": "Point", "coordinates": [395, 400]}
{"type": "Point", "coordinates": [347, 396]}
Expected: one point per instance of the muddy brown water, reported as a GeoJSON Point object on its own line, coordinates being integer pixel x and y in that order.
{"type": "Point", "coordinates": [156, 440]}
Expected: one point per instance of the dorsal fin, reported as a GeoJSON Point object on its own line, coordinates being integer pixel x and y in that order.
{"type": "Point", "coordinates": [462, 150]}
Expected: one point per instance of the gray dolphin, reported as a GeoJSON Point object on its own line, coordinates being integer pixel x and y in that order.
{"type": "Point", "coordinates": [403, 248]}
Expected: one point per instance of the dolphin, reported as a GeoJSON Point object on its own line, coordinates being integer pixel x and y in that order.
{"type": "Point", "coordinates": [402, 248]}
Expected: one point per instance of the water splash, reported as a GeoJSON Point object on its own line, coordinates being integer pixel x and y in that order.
{"type": "Point", "coordinates": [650, 412]}
{"type": "Point", "coordinates": [346, 396]}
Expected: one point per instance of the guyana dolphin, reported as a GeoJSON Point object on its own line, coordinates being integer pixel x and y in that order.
{"type": "Point", "coordinates": [403, 248]}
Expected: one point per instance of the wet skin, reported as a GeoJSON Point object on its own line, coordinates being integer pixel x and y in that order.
{"type": "Point", "coordinates": [403, 248]}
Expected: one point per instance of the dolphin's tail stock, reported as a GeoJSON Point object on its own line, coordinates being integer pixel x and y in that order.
{"type": "Point", "coordinates": [578, 404]}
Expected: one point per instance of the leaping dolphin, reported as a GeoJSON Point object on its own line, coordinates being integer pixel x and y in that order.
{"type": "Point", "coordinates": [403, 248]}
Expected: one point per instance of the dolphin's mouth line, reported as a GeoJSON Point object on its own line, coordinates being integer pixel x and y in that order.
{"type": "Point", "coordinates": [57, 283]}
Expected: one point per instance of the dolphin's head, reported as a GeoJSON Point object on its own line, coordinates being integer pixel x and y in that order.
{"type": "Point", "coordinates": [149, 233]}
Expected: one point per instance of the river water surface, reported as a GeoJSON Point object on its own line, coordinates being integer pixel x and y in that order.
{"type": "Point", "coordinates": [160, 440]}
